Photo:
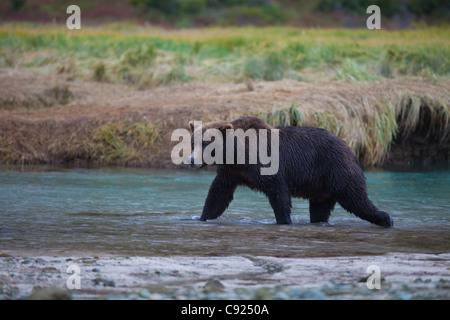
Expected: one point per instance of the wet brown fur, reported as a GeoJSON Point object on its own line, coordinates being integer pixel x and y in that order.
{"type": "Point", "coordinates": [314, 164]}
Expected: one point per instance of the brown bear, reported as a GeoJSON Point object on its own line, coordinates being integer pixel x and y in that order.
{"type": "Point", "coordinates": [313, 164]}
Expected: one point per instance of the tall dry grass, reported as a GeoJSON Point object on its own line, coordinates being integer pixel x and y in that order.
{"type": "Point", "coordinates": [370, 120]}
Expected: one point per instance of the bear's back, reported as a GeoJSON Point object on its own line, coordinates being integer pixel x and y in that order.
{"type": "Point", "coordinates": [313, 156]}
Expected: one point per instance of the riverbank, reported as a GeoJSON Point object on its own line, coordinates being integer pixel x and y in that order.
{"type": "Point", "coordinates": [48, 119]}
{"type": "Point", "coordinates": [402, 276]}
{"type": "Point", "coordinates": [111, 95]}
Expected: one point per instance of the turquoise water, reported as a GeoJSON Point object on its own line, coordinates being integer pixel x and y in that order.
{"type": "Point", "coordinates": [155, 212]}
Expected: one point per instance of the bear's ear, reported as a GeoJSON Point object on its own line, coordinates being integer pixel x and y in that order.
{"type": "Point", "coordinates": [224, 126]}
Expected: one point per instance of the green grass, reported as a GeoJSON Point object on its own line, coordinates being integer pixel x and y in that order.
{"type": "Point", "coordinates": [270, 66]}
{"type": "Point", "coordinates": [120, 142]}
{"type": "Point", "coordinates": [354, 71]}
{"type": "Point", "coordinates": [284, 117]}
{"type": "Point", "coordinates": [128, 55]}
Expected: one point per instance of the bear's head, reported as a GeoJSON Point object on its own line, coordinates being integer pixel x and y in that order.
{"type": "Point", "coordinates": [247, 141]}
{"type": "Point", "coordinates": [203, 136]}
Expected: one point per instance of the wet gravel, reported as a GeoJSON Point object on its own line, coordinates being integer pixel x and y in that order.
{"type": "Point", "coordinates": [230, 278]}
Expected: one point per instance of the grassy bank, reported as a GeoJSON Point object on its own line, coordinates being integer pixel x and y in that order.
{"type": "Point", "coordinates": [112, 95]}
{"type": "Point", "coordinates": [147, 57]}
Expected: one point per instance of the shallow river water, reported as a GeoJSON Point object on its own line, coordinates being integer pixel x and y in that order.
{"type": "Point", "coordinates": [151, 212]}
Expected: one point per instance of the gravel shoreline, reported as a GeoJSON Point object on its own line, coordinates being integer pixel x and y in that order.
{"type": "Point", "coordinates": [402, 276]}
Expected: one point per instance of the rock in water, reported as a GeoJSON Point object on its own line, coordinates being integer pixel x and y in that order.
{"type": "Point", "coordinates": [213, 285]}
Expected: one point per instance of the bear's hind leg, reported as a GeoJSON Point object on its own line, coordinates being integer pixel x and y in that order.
{"type": "Point", "coordinates": [279, 197]}
{"type": "Point", "coordinates": [319, 211]}
{"type": "Point", "coordinates": [281, 205]}
{"type": "Point", "coordinates": [360, 205]}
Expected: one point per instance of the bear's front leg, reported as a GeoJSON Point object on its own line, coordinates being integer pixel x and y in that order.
{"type": "Point", "coordinates": [220, 195]}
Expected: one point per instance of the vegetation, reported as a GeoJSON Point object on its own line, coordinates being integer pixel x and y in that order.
{"type": "Point", "coordinates": [120, 142]}
{"type": "Point", "coordinates": [218, 12]}
{"type": "Point", "coordinates": [370, 133]}
{"type": "Point", "coordinates": [148, 57]}
{"type": "Point", "coordinates": [110, 143]}
{"type": "Point", "coordinates": [201, 13]}
{"type": "Point", "coordinates": [364, 111]}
